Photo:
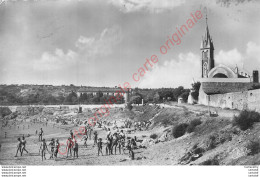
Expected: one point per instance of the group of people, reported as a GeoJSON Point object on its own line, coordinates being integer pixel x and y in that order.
{"type": "Point", "coordinates": [116, 140]}
{"type": "Point", "coordinates": [140, 125]}
{"type": "Point", "coordinates": [54, 148]}
{"type": "Point", "coordinates": [112, 141]}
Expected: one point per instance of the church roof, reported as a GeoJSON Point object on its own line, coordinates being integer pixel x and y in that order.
{"type": "Point", "coordinates": [207, 41]}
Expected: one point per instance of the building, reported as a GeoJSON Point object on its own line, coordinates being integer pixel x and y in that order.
{"type": "Point", "coordinates": [222, 86]}
{"type": "Point", "coordinates": [107, 91]}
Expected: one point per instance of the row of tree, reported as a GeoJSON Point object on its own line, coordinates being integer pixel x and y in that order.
{"type": "Point", "coordinates": [164, 94]}
{"type": "Point", "coordinates": [48, 99]}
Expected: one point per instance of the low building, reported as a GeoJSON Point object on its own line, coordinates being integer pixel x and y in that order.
{"type": "Point", "coordinates": [108, 91]}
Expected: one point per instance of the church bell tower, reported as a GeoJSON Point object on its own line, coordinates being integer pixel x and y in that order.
{"type": "Point", "coordinates": [207, 53]}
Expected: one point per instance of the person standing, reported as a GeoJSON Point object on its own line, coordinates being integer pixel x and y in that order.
{"type": "Point", "coordinates": [52, 144]}
{"type": "Point", "coordinates": [69, 146]}
{"type": "Point", "coordinates": [40, 134]}
{"type": "Point", "coordinates": [19, 147]}
{"type": "Point", "coordinates": [95, 138]}
{"type": "Point", "coordinates": [76, 149]}
{"type": "Point", "coordinates": [108, 145]}
{"type": "Point", "coordinates": [90, 132]}
{"type": "Point", "coordinates": [23, 145]}
{"type": "Point", "coordinates": [108, 132]}
{"type": "Point", "coordinates": [99, 144]}
{"type": "Point", "coordinates": [43, 149]}
{"type": "Point", "coordinates": [57, 146]}
{"type": "Point", "coordinates": [85, 139]}
{"type": "Point", "coordinates": [71, 134]}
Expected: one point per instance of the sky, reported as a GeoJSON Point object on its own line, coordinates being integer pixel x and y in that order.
{"type": "Point", "coordinates": [104, 42]}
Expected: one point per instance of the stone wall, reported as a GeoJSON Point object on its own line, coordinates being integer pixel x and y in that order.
{"type": "Point", "coordinates": [236, 100]}
{"type": "Point", "coordinates": [225, 87]}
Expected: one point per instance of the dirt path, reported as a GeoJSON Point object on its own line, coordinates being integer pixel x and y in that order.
{"type": "Point", "coordinates": [224, 113]}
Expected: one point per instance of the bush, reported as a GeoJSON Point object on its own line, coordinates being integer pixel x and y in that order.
{"type": "Point", "coordinates": [193, 125]}
{"type": "Point", "coordinates": [179, 130]}
{"type": "Point", "coordinates": [253, 147]}
{"type": "Point", "coordinates": [246, 119]}
{"type": "Point", "coordinates": [213, 161]}
{"type": "Point", "coordinates": [153, 136]}
{"type": "Point", "coordinates": [212, 143]}
{"type": "Point", "coordinates": [4, 111]}
{"type": "Point", "coordinates": [129, 106]}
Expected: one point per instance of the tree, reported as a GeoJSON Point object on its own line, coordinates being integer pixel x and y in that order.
{"type": "Point", "coordinates": [99, 94]}
{"type": "Point", "coordinates": [71, 98]}
{"type": "Point", "coordinates": [156, 98]}
{"type": "Point", "coordinates": [95, 99]}
{"type": "Point", "coordinates": [185, 95]}
{"type": "Point", "coordinates": [83, 98]}
{"type": "Point", "coordinates": [136, 99]}
{"type": "Point", "coordinates": [177, 92]}
{"type": "Point", "coordinates": [196, 88]}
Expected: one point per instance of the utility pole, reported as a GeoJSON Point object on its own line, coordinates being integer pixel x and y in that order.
{"type": "Point", "coordinates": [208, 103]}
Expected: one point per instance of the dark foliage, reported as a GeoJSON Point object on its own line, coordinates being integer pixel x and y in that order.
{"type": "Point", "coordinates": [246, 119]}
{"type": "Point", "coordinates": [179, 130]}
{"type": "Point", "coordinates": [193, 125]}
{"type": "Point", "coordinates": [253, 147]}
{"type": "Point", "coordinates": [4, 111]}
{"type": "Point", "coordinates": [196, 87]}
{"type": "Point", "coordinates": [213, 161]}
{"type": "Point", "coordinates": [153, 136]}
{"type": "Point", "coordinates": [129, 106]}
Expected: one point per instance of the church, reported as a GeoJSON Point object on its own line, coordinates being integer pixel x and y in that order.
{"type": "Point", "coordinates": [223, 86]}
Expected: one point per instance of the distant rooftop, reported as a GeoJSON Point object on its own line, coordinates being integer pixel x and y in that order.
{"type": "Point", "coordinates": [99, 89]}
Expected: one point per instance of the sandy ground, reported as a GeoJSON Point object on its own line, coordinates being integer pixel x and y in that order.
{"type": "Point", "coordinates": [163, 153]}
{"type": "Point", "coordinates": [87, 156]}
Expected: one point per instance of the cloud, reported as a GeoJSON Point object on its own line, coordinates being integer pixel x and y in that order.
{"type": "Point", "coordinates": [253, 50]}
{"type": "Point", "coordinates": [173, 73]}
{"type": "Point", "coordinates": [249, 60]}
{"type": "Point", "coordinates": [103, 45]}
{"type": "Point", "coordinates": [86, 48]}
{"type": "Point", "coordinates": [55, 61]}
{"type": "Point", "coordinates": [229, 58]}
{"type": "Point", "coordinates": [153, 6]}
